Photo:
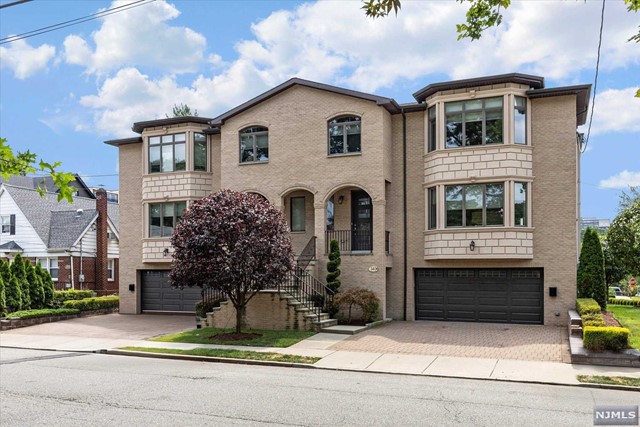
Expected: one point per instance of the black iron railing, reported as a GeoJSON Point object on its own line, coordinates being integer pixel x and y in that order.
{"type": "Point", "coordinates": [350, 240]}
{"type": "Point", "coordinates": [209, 294]}
{"type": "Point", "coordinates": [307, 255]}
{"type": "Point", "coordinates": [309, 291]}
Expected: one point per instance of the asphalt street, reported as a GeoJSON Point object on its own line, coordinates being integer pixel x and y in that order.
{"type": "Point", "coordinates": [44, 388]}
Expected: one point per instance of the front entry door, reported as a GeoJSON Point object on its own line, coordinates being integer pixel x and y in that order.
{"type": "Point", "coordinates": [361, 221]}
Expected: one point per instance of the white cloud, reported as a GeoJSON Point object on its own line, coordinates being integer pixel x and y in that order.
{"type": "Point", "coordinates": [138, 36]}
{"type": "Point", "coordinates": [25, 60]}
{"type": "Point", "coordinates": [623, 180]}
{"type": "Point", "coordinates": [616, 110]}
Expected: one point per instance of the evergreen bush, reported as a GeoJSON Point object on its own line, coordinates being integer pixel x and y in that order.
{"type": "Point", "coordinates": [591, 276]}
{"type": "Point", "coordinates": [18, 271]}
{"type": "Point", "coordinates": [36, 291]}
{"type": "Point", "coordinates": [333, 266]}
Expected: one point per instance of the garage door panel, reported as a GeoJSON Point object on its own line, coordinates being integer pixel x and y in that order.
{"type": "Point", "coordinates": [484, 295]}
{"type": "Point", "coordinates": [158, 295]}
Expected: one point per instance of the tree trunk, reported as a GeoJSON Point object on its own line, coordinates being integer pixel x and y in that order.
{"type": "Point", "coordinates": [239, 311]}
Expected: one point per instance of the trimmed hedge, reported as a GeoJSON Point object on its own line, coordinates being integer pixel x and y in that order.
{"type": "Point", "coordinates": [605, 338]}
{"type": "Point", "coordinates": [43, 312]}
{"type": "Point", "coordinates": [618, 301]}
{"type": "Point", "coordinates": [587, 306]}
{"type": "Point", "coordinates": [60, 297]}
{"type": "Point", "coordinates": [96, 303]}
{"type": "Point", "coordinates": [592, 320]}
{"type": "Point", "coordinates": [204, 307]}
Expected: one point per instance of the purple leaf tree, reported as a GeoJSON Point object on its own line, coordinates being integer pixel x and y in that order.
{"type": "Point", "coordinates": [236, 243]}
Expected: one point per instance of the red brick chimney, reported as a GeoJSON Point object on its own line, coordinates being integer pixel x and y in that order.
{"type": "Point", "coordinates": [101, 241]}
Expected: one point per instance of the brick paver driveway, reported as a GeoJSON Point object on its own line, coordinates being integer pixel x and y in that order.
{"type": "Point", "coordinates": [483, 340]}
{"type": "Point", "coordinates": [112, 326]}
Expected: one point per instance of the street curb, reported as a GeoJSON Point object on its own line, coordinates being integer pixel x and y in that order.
{"type": "Point", "coordinates": [208, 359]}
{"type": "Point", "coordinates": [308, 366]}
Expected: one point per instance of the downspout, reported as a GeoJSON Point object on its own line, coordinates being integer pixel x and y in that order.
{"type": "Point", "coordinates": [71, 260]}
{"type": "Point", "coordinates": [404, 210]}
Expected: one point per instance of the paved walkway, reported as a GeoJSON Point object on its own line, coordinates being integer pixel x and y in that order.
{"type": "Point", "coordinates": [479, 340]}
{"type": "Point", "coordinates": [71, 336]}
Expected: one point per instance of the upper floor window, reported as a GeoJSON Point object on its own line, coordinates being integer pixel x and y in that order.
{"type": "Point", "coordinates": [8, 224]}
{"type": "Point", "coordinates": [432, 129]}
{"type": "Point", "coordinates": [474, 205]}
{"type": "Point", "coordinates": [520, 204]}
{"type": "Point", "coordinates": [474, 122]}
{"type": "Point", "coordinates": [254, 144]}
{"type": "Point", "coordinates": [520, 120]}
{"type": "Point", "coordinates": [163, 217]}
{"type": "Point", "coordinates": [111, 269]}
{"type": "Point", "coordinates": [167, 153]}
{"type": "Point", "coordinates": [199, 152]}
{"type": "Point", "coordinates": [433, 208]}
{"type": "Point", "coordinates": [51, 265]}
{"type": "Point", "coordinates": [344, 135]}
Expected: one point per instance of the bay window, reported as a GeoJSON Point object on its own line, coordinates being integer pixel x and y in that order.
{"type": "Point", "coordinates": [474, 122]}
{"type": "Point", "coordinates": [167, 153]}
{"type": "Point", "coordinates": [163, 217]}
{"type": "Point", "coordinates": [474, 205]}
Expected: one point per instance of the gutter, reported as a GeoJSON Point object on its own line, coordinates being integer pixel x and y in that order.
{"type": "Point", "coordinates": [404, 210]}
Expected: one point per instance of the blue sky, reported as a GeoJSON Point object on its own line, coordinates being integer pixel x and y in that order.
{"type": "Point", "coordinates": [64, 92]}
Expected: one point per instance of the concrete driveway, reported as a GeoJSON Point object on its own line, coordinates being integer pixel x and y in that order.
{"type": "Point", "coordinates": [480, 340]}
{"type": "Point", "coordinates": [113, 326]}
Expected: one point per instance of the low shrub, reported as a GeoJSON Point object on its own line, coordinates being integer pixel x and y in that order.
{"type": "Point", "coordinates": [359, 297]}
{"type": "Point", "coordinates": [59, 297]}
{"type": "Point", "coordinates": [96, 303]}
{"type": "Point", "coordinates": [605, 338]}
{"type": "Point", "coordinates": [587, 306]}
{"type": "Point", "coordinates": [204, 307]}
{"type": "Point", "coordinates": [43, 312]}
{"type": "Point", "coordinates": [620, 301]}
{"type": "Point", "coordinates": [592, 320]}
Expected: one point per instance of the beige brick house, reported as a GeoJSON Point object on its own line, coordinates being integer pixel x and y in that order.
{"type": "Point", "coordinates": [460, 206]}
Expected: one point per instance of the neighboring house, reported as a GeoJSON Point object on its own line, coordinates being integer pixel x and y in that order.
{"type": "Point", "coordinates": [461, 206]}
{"type": "Point", "coordinates": [112, 195]}
{"type": "Point", "coordinates": [78, 243]}
{"type": "Point", "coordinates": [46, 183]}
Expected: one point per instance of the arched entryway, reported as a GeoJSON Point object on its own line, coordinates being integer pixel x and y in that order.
{"type": "Point", "coordinates": [298, 209]}
{"type": "Point", "coordinates": [349, 220]}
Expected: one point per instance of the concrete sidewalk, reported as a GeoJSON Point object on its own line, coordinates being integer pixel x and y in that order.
{"type": "Point", "coordinates": [319, 346]}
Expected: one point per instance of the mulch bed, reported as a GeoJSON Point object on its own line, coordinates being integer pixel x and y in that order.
{"type": "Point", "coordinates": [232, 336]}
{"type": "Point", "coordinates": [609, 320]}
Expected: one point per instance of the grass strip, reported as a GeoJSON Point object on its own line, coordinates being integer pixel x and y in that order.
{"type": "Point", "coordinates": [629, 317]}
{"type": "Point", "coordinates": [269, 338]}
{"type": "Point", "coordinates": [599, 379]}
{"type": "Point", "coordinates": [228, 353]}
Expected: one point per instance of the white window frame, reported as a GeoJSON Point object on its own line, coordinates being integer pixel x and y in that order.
{"type": "Point", "coordinates": [48, 266]}
{"type": "Point", "coordinates": [111, 269]}
{"type": "Point", "coordinates": [5, 221]}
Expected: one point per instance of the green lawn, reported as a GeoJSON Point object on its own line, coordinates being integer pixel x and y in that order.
{"type": "Point", "coordinates": [596, 379]}
{"type": "Point", "coordinates": [232, 354]}
{"type": "Point", "coordinates": [268, 339]}
{"type": "Point", "coordinates": [629, 317]}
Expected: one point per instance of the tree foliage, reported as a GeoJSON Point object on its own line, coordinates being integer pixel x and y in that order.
{"type": "Point", "coordinates": [19, 273]}
{"type": "Point", "coordinates": [3, 298]}
{"type": "Point", "coordinates": [591, 276]}
{"type": "Point", "coordinates": [182, 110]}
{"type": "Point", "coordinates": [36, 291]}
{"type": "Point", "coordinates": [623, 238]}
{"type": "Point", "coordinates": [24, 163]}
{"type": "Point", "coordinates": [365, 299]}
{"type": "Point", "coordinates": [236, 243]}
{"type": "Point", "coordinates": [47, 285]}
{"type": "Point", "coordinates": [614, 271]}
{"type": "Point", "coordinates": [12, 288]}
{"type": "Point", "coordinates": [333, 266]}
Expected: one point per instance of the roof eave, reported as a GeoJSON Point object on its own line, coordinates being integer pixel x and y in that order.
{"type": "Point", "coordinates": [582, 93]}
{"type": "Point", "coordinates": [139, 127]}
{"type": "Point", "coordinates": [124, 141]}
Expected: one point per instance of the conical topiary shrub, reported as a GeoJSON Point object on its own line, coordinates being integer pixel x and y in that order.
{"type": "Point", "coordinates": [13, 293]}
{"type": "Point", "coordinates": [36, 293]}
{"type": "Point", "coordinates": [47, 285]}
{"type": "Point", "coordinates": [333, 266]}
{"type": "Point", "coordinates": [591, 276]}
{"type": "Point", "coordinates": [3, 300]}
{"type": "Point", "coordinates": [18, 271]}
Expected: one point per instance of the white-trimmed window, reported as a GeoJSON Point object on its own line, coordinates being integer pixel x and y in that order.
{"type": "Point", "coordinates": [8, 224]}
{"type": "Point", "coordinates": [111, 272]}
{"type": "Point", "coordinates": [51, 265]}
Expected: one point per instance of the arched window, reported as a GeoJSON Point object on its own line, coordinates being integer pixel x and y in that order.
{"type": "Point", "coordinates": [344, 135]}
{"type": "Point", "coordinates": [254, 144]}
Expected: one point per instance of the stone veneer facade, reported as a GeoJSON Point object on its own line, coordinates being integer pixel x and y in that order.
{"type": "Point", "coordinates": [299, 166]}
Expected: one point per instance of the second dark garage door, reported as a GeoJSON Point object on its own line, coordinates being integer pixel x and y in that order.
{"type": "Point", "coordinates": [158, 295]}
{"type": "Point", "coordinates": [505, 295]}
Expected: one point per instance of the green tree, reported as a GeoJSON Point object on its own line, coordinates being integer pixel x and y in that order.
{"type": "Point", "coordinates": [19, 273]}
{"type": "Point", "coordinates": [36, 291]}
{"type": "Point", "coordinates": [623, 238]}
{"type": "Point", "coordinates": [628, 199]}
{"type": "Point", "coordinates": [183, 110]}
{"type": "Point", "coordinates": [3, 298]}
{"type": "Point", "coordinates": [591, 276]}
{"type": "Point", "coordinates": [333, 266]}
{"type": "Point", "coordinates": [613, 270]}
{"type": "Point", "coordinates": [47, 284]}
{"type": "Point", "coordinates": [12, 288]}
{"type": "Point", "coordinates": [24, 163]}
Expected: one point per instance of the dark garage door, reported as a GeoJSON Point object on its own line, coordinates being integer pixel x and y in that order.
{"type": "Point", "coordinates": [501, 295]}
{"type": "Point", "coordinates": [157, 295]}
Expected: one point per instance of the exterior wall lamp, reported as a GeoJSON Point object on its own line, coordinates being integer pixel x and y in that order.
{"type": "Point", "coordinates": [472, 246]}
{"type": "Point", "coordinates": [165, 252]}
{"type": "Point", "coordinates": [340, 200]}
